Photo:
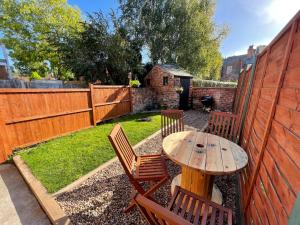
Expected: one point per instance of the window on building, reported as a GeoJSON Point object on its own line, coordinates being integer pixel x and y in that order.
{"type": "Point", "coordinates": [148, 82]}
{"type": "Point", "coordinates": [228, 69]}
{"type": "Point", "coordinates": [165, 81]}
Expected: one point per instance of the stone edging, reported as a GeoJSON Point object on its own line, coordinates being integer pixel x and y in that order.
{"type": "Point", "coordinates": [102, 166]}
{"type": "Point", "coordinates": [56, 215]}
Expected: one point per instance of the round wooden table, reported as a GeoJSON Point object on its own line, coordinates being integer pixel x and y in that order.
{"type": "Point", "coordinates": [202, 156]}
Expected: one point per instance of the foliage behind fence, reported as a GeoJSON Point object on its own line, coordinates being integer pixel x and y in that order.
{"type": "Point", "coordinates": [30, 116]}
{"type": "Point", "coordinates": [212, 83]}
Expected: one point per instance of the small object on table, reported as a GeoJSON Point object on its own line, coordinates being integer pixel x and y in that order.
{"type": "Point", "coordinates": [202, 156]}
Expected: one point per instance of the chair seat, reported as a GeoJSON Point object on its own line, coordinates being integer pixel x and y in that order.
{"type": "Point", "coordinates": [150, 168]}
{"type": "Point", "coordinates": [197, 210]}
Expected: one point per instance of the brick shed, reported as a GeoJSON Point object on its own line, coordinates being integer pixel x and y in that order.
{"type": "Point", "coordinates": [163, 79]}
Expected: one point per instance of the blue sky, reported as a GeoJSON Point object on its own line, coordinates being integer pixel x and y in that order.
{"type": "Point", "coordinates": [250, 22]}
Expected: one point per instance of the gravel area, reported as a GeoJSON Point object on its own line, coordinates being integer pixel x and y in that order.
{"type": "Point", "coordinates": [103, 196]}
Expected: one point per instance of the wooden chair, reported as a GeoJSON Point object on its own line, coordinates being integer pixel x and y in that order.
{"type": "Point", "coordinates": [185, 208]}
{"type": "Point", "coordinates": [148, 168]}
{"type": "Point", "coordinates": [171, 122]}
{"type": "Point", "coordinates": [223, 124]}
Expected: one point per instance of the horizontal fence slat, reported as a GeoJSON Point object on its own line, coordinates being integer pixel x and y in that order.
{"type": "Point", "coordinates": [27, 119]}
{"type": "Point", "coordinates": [112, 103]}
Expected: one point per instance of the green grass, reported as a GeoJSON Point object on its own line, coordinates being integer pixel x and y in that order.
{"type": "Point", "coordinates": [61, 161]}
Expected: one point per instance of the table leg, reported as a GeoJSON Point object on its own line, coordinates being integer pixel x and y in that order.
{"type": "Point", "coordinates": [198, 183]}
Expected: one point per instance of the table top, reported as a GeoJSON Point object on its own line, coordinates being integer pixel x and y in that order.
{"type": "Point", "coordinates": [206, 152]}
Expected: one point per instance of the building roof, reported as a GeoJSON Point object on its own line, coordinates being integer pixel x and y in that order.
{"type": "Point", "coordinates": [175, 70]}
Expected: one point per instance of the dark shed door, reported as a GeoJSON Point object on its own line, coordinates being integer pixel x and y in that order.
{"type": "Point", "coordinates": [184, 96]}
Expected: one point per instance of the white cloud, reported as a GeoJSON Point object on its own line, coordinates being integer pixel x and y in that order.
{"type": "Point", "coordinates": [279, 12]}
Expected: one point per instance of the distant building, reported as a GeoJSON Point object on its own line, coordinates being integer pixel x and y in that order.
{"type": "Point", "coordinates": [233, 65]}
{"type": "Point", "coordinates": [3, 69]}
{"type": "Point", "coordinates": [4, 66]}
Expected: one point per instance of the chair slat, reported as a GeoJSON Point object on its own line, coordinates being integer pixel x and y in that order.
{"type": "Point", "coordinates": [213, 217]}
{"type": "Point", "coordinates": [223, 124]}
{"type": "Point", "coordinates": [171, 122]}
{"type": "Point", "coordinates": [198, 212]}
{"type": "Point", "coordinates": [205, 215]}
{"type": "Point", "coordinates": [179, 201]}
{"type": "Point", "coordinates": [185, 208]}
{"type": "Point", "coordinates": [191, 210]}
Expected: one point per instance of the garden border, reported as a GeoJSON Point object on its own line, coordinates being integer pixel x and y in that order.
{"type": "Point", "coordinates": [56, 215]}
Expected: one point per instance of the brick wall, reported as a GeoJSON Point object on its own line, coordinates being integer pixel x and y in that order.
{"type": "Point", "coordinates": [166, 94]}
{"type": "Point", "coordinates": [142, 99]}
{"type": "Point", "coordinates": [223, 97]}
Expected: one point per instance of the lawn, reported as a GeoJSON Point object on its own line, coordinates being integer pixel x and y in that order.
{"type": "Point", "coordinates": [61, 161]}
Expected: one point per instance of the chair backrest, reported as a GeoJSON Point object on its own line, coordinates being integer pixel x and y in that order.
{"type": "Point", "coordinates": [198, 210]}
{"type": "Point", "coordinates": [223, 124]}
{"type": "Point", "coordinates": [156, 214]}
{"type": "Point", "coordinates": [171, 121]}
{"type": "Point", "coordinates": [123, 149]}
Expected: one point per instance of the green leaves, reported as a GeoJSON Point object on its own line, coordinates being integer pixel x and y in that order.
{"type": "Point", "coordinates": [29, 25]}
{"type": "Point", "coordinates": [101, 52]}
{"type": "Point", "coordinates": [177, 31]}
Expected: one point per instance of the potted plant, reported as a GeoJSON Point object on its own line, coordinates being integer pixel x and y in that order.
{"type": "Point", "coordinates": [134, 83]}
{"type": "Point", "coordinates": [35, 76]}
{"type": "Point", "coordinates": [179, 90]}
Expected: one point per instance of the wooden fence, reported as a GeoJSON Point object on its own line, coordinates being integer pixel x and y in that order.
{"type": "Point", "coordinates": [30, 116]}
{"type": "Point", "coordinates": [271, 132]}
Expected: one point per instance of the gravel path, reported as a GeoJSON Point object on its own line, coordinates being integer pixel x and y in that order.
{"type": "Point", "coordinates": [102, 197]}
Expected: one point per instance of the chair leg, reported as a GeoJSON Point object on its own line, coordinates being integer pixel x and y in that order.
{"type": "Point", "coordinates": [146, 194]}
{"type": "Point", "coordinates": [155, 186]}
{"type": "Point", "coordinates": [130, 207]}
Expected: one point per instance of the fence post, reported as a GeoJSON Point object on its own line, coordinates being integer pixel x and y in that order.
{"type": "Point", "coordinates": [93, 104]}
{"type": "Point", "coordinates": [247, 98]}
{"type": "Point", "coordinates": [130, 96]}
{"type": "Point", "coordinates": [5, 149]}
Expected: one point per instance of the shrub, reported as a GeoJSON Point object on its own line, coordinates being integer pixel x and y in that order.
{"type": "Point", "coordinates": [179, 90]}
{"type": "Point", "coordinates": [213, 83]}
{"type": "Point", "coordinates": [134, 83]}
{"type": "Point", "coordinates": [35, 76]}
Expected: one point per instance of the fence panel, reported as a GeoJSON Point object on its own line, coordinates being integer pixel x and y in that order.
{"type": "Point", "coordinates": [271, 134]}
{"type": "Point", "coordinates": [111, 101]}
{"type": "Point", "coordinates": [30, 116]}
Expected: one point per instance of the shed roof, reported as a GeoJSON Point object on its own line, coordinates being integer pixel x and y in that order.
{"type": "Point", "coordinates": [175, 70]}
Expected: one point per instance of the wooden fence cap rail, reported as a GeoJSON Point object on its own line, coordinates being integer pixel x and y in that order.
{"type": "Point", "coordinates": [40, 90]}
{"type": "Point", "coordinates": [109, 86]}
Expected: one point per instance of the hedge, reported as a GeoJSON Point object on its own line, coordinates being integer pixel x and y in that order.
{"type": "Point", "coordinates": [213, 83]}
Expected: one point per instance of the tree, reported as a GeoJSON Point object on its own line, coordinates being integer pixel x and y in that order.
{"type": "Point", "coordinates": [27, 27]}
{"type": "Point", "coordinates": [102, 52]}
{"type": "Point", "coordinates": [177, 31]}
